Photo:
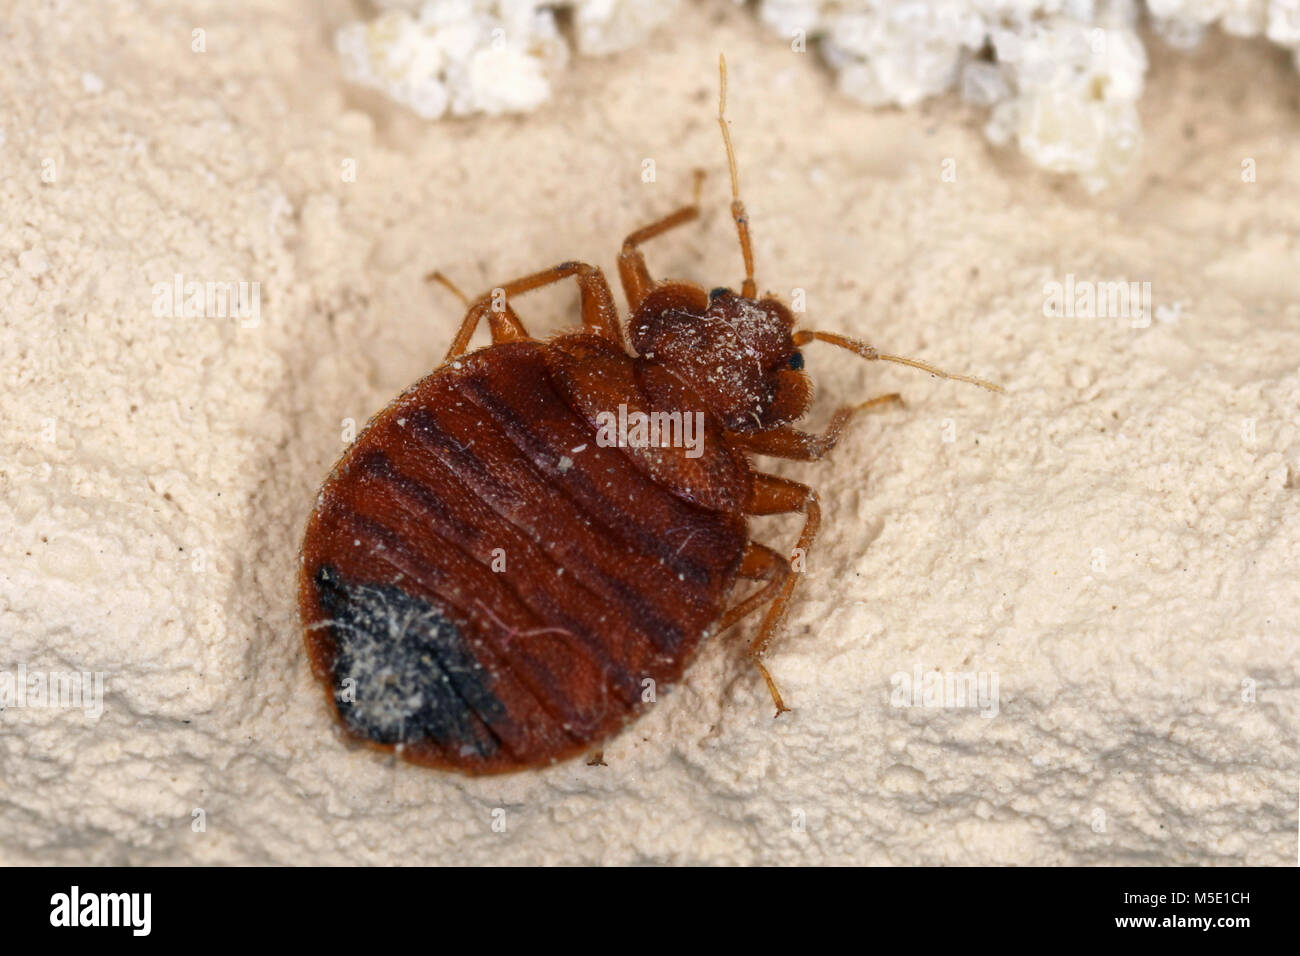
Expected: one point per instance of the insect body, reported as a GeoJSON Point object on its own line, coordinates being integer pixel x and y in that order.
{"type": "Point", "coordinates": [501, 571]}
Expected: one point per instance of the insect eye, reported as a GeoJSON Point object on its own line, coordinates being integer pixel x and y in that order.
{"type": "Point", "coordinates": [796, 361]}
{"type": "Point", "coordinates": [718, 292]}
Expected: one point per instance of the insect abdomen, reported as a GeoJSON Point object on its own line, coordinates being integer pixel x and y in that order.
{"type": "Point", "coordinates": [524, 580]}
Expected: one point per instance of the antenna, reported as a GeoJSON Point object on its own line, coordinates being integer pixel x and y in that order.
{"type": "Point", "coordinates": [870, 352]}
{"type": "Point", "coordinates": [749, 289]}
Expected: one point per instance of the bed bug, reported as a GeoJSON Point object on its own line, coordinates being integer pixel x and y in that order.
{"type": "Point", "coordinates": [500, 566]}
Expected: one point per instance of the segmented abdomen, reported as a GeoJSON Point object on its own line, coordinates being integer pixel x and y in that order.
{"type": "Point", "coordinates": [486, 587]}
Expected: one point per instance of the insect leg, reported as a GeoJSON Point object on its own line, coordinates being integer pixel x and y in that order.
{"type": "Point", "coordinates": [503, 322]}
{"type": "Point", "coordinates": [773, 495]}
{"type": "Point", "coordinates": [759, 563]}
{"type": "Point", "coordinates": [787, 441]}
{"type": "Point", "coordinates": [598, 310]}
{"type": "Point", "coordinates": [632, 271]}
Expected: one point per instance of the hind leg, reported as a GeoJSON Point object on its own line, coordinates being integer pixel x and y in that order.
{"type": "Point", "coordinates": [760, 563]}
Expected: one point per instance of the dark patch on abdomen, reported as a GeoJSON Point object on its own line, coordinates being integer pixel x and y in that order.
{"type": "Point", "coordinates": [414, 679]}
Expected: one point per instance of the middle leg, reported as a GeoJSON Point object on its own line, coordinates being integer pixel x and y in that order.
{"type": "Point", "coordinates": [599, 314]}
{"type": "Point", "coordinates": [503, 323]}
{"type": "Point", "coordinates": [773, 495]}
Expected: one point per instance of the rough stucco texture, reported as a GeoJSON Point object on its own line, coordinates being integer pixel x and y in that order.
{"type": "Point", "coordinates": [1116, 539]}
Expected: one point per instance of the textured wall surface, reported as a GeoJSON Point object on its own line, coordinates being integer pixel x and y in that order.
{"type": "Point", "coordinates": [1114, 541]}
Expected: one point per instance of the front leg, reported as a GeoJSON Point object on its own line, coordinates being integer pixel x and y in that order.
{"type": "Point", "coordinates": [786, 441]}
{"type": "Point", "coordinates": [632, 271]}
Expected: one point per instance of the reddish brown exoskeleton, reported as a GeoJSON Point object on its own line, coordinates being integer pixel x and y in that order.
{"type": "Point", "coordinates": [501, 568]}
